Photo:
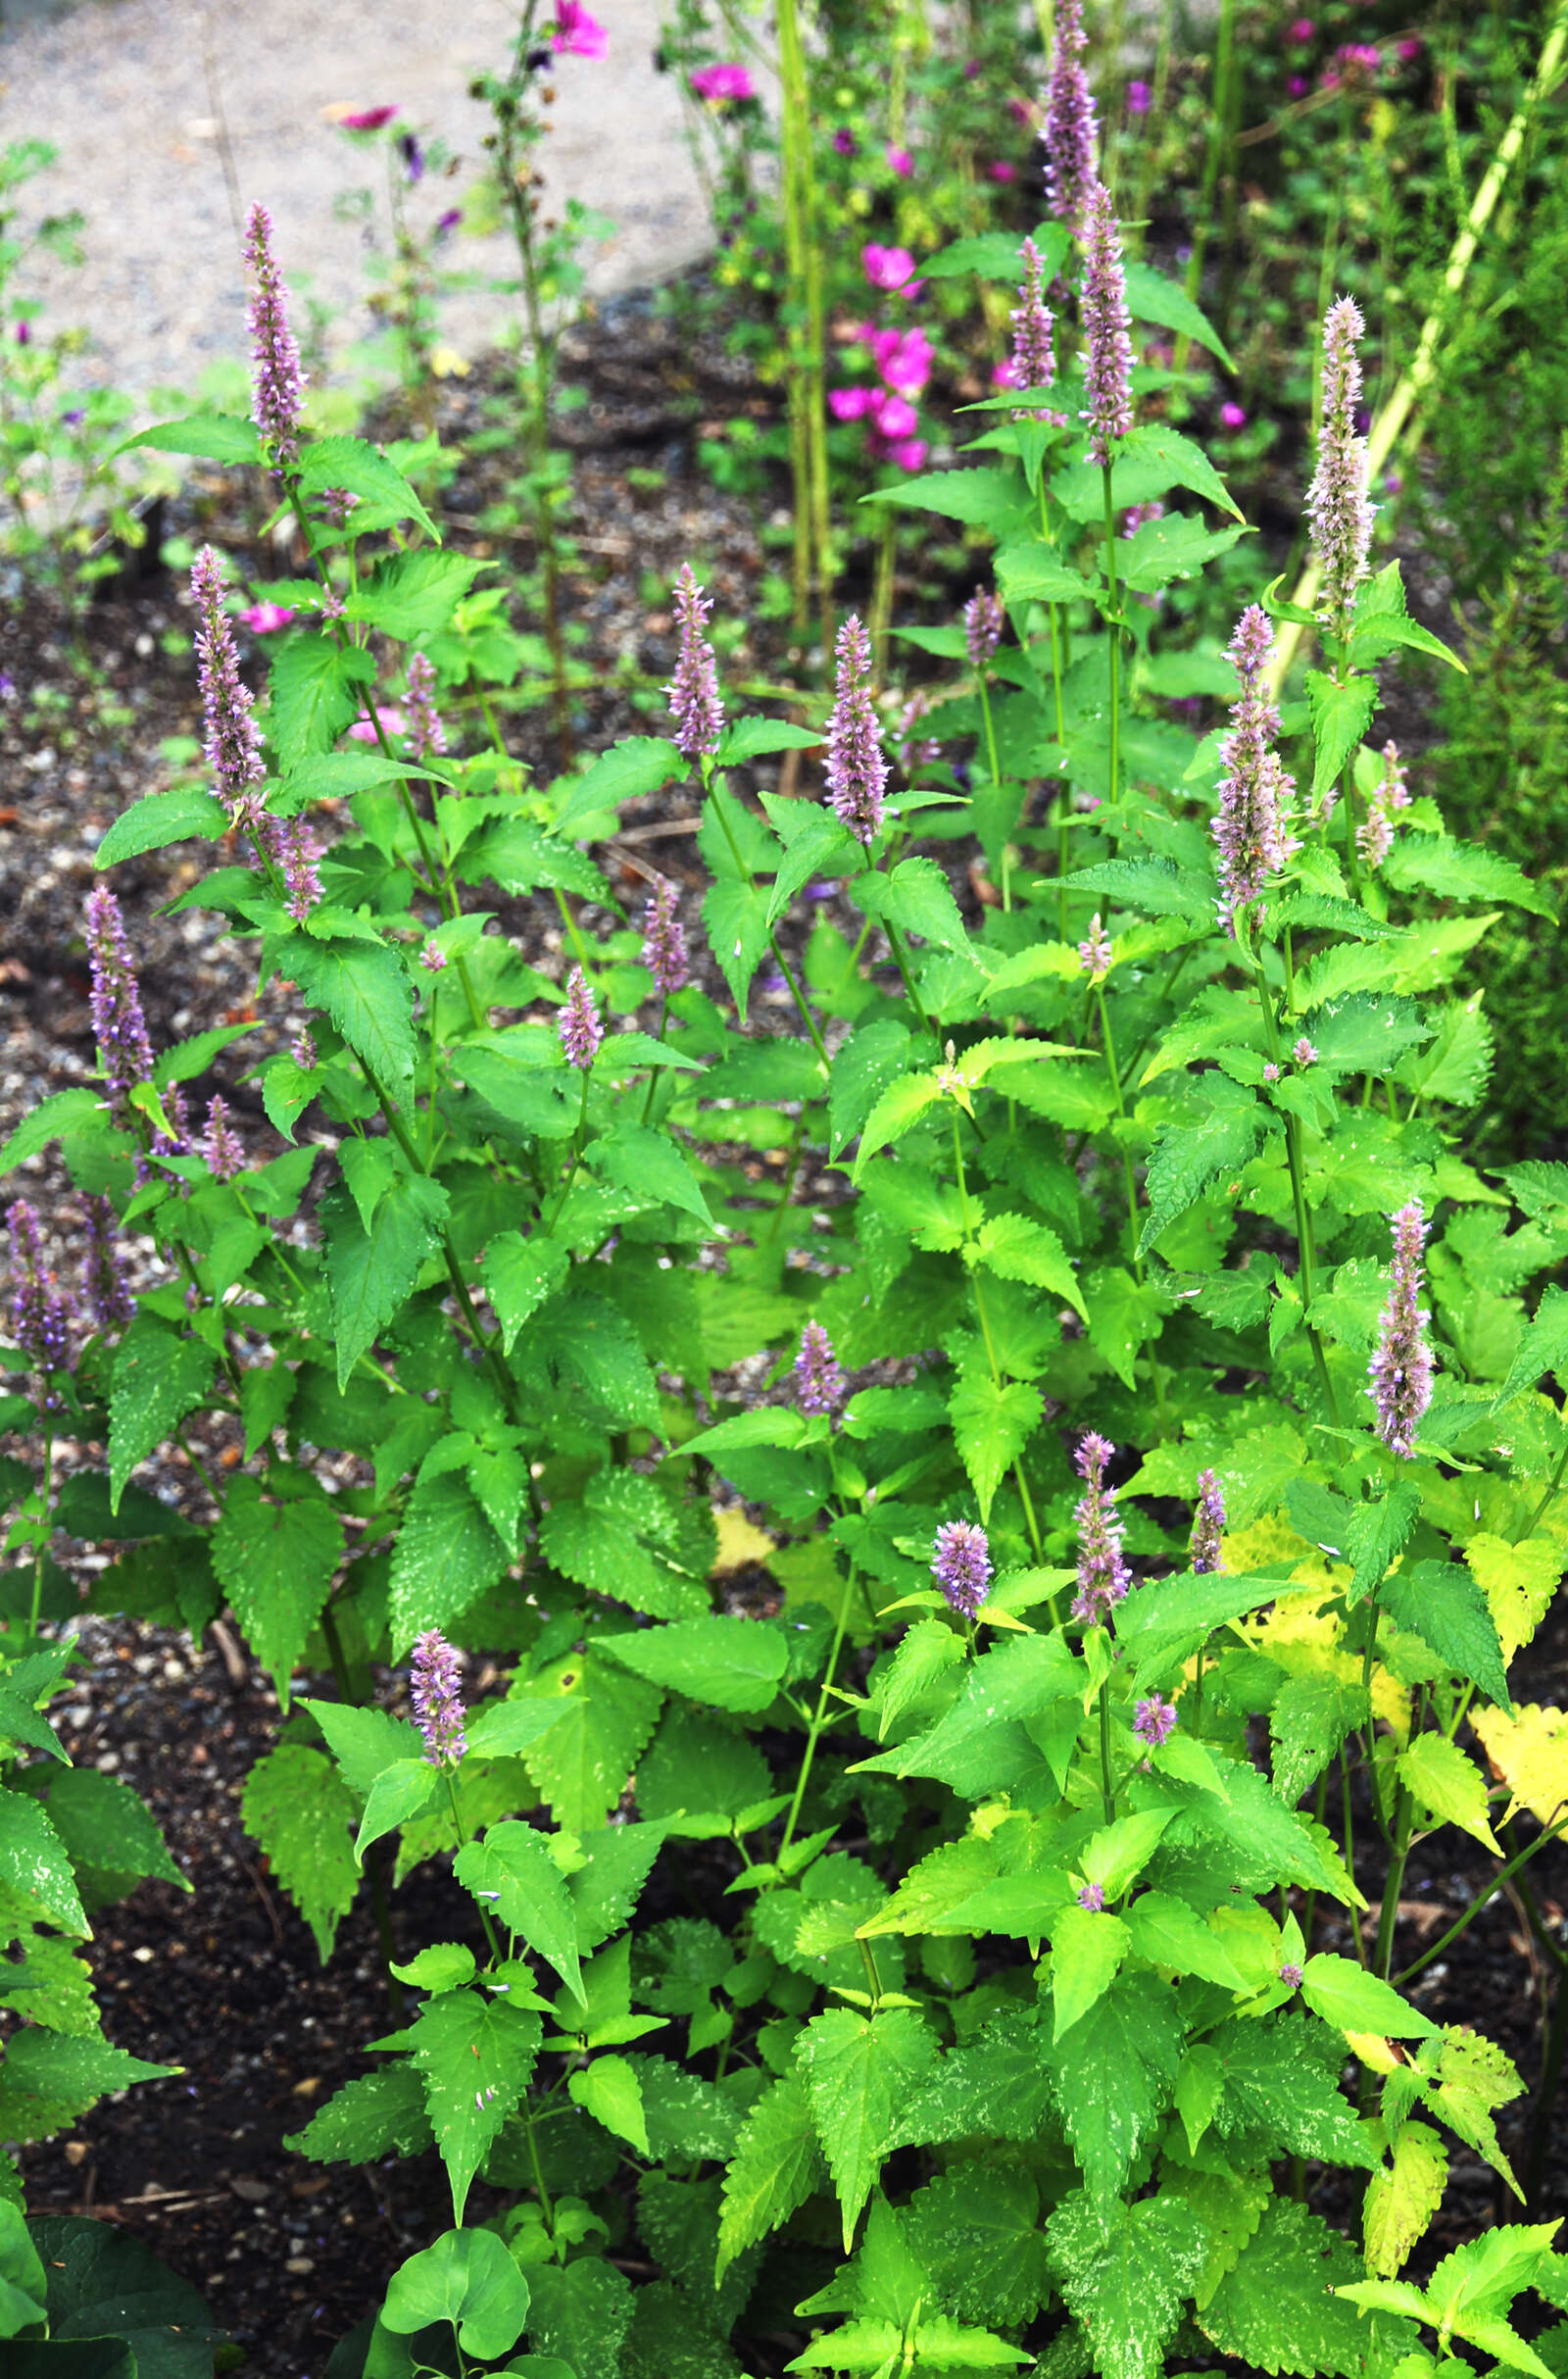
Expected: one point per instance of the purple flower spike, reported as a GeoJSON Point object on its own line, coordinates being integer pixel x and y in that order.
{"type": "Point", "coordinates": [1102, 1574]}
{"type": "Point", "coordinates": [105, 1290]}
{"type": "Point", "coordinates": [1292, 1975]}
{"type": "Point", "coordinates": [40, 1317]}
{"type": "Point", "coordinates": [1400, 1369]}
{"type": "Point", "coordinates": [1374, 837]}
{"type": "Point", "coordinates": [960, 1563]}
{"type": "Point", "coordinates": [119, 1025]}
{"type": "Point", "coordinates": [1069, 127]}
{"type": "Point", "coordinates": [303, 1049]}
{"type": "Point", "coordinates": [276, 381]}
{"type": "Point", "coordinates": [1034, 351]}
{"type": "Point", "coordinates": [234, 744]}
{"type": "Point", "coordinates": [421, 719]}
{"type": "Point", "coordinates": [1337, 501]}
{"type": "Point", "coordinates": [221, 1143]}
{"type": "Point", "coordinates": [1107, 328]}
{"type": "Point", "coordinates": [819, 1382]}
{"type": "Point", "coordinates": [857, 770]}
{"type": "Point", "coordinates": [433, 959]}
{"type": "Point", "coordinates": [1255, 792]}
{"type": "Point", "coordinates": [1208, 1525]}
{"type": "Point", "coordinates": [291, 846]}
{"type": "Point", "coordinates": [578, 1022]}
{"type": "Point", "coordinates": [1095, 952]}
{"type": "Point", "coordinates": [1304, 1051]}
{"type": "Point", "coordinates": [437, 1697]}
{"type": "Point", "coordinates": [693, 697]}
{"type": "Point", "coordinates": [1092, 1895]}
{"type": "Point", "coordinates": [665, 942]}
{"type": "Point", "coordinates": [1155, 1721]}
{"type": "Point", "coordinates": [984, 619]}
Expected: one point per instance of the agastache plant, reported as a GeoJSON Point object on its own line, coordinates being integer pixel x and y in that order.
{"type": "Point", "coordinates": [277, 383]}
{"type": "Point", "coordinates": [578, 1022]}
{"type": "Point", "coordinates": [436, 1692]}
{"type": "Point", "coordinates": [1337, 503]}
{"type": "Point", "coordinates": [1033, 362]}
{"type": "Point", "coordinates": [105, 1295]}
{"type": "Point", "coordinates": [960, 1563]}
{"type": "Point", "coordinates": [233, 741]}
{"type": "Point", "coordinates": [1209, 1527]}
{"type": "Point", "coordinates": [1255, 792]}
{"type": "Point", "coordinates": [41, 1315]}
{"type": "Point", "coordinates": [1401, 1368]}
{"type": "Point", "coordinates": [424, 724]}
{"type": "Point", "coordinates": [120, 1027]}
{"type": "Point", "coordinates": [856, 769]}
{"type": "Point", "coordinates": [1102, 1574]}
{"type": "Point", "coordinates": [695, 703]}
{"type": "Point", "coordinates": [663, 951]}
{"type": "Point", "coordinates": [984, 618]}
{"type": "Point", "coordinates": [1069, 129]}
{"type": "Point", "coordinates": [1107, 329]}
{"type": "Point", "coordinates": [819, 1382]}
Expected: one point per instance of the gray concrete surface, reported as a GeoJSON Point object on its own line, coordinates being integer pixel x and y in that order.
{"type": "Point", "coordinates": [123, 89]}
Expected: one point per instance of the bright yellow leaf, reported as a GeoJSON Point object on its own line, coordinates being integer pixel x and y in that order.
{"type": "Point", "coordinates": [1518, 1582]}
{"type": "Point", "coordinates": [1529, 1753]}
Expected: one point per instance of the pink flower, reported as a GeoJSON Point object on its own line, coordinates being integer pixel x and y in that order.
{"type": "Point", "coordinates": [266, 618]}
{"type": "Point", "coordinates": [392, 724]}
{"type": "Point", "coordinates": [893, 416]}
{"type": "Point", "coordinates": [1302, 29]}
{"type": "Point", "coordinates": [1006, 374]}
{"type": "Point", "coordinates": [888, 267]}
{"type": "Point", "coordinates": [843, 143]}
{"type": "Point", "coordinates": [720, 83]}
{"type": "Point", "coordinates": [909, 454]}
{"type": "Point", "coordinates": [1139, 98]}
{"type": "Point", "coordinates": [851, 404]}
{"type": "Point", "coordinates": [576, 33]}
{"type": "Point", "coordinates": [904, 358]}
{"type": "Point", "coordinates": [367, 120]}
{"type": "Point", "coordinates": [1409, 50]}
{"type": "Point", "coordinates": [1022, 110]}
{"type": "Point", "coordinates": [1296, 86]}
{"type": "Point", "coordinates": [900, 161]}
{"type": "Point", "coordinates": [1233, 416]}
{"type": "Point", "coordinates": [1000, 170]}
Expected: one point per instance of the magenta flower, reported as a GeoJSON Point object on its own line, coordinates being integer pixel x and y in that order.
{"type": "Point", "coordinates": [392, 722]}
{"type": "Point", "coordinates": [1233, 416]}
{"type": "Point", "coordinates": [856, 771]}
{"type": "Point", "coordinates": [266, 618]}
{"type": "Point", "coordinates": [1139, 98]}
{"type": "Point", "coordinates": [904, 358]}
{"type": "Point", "coordinates": [119, 1025]}
{"type": "Point", "coordinates": [1155, 1721]}
{"type": "Point", "coordinates": [1255, 793]}
{"type": "Point", "coordinates": [1108, 327]}
{"type": "Point", "coordinates": [899, 160]}
{"type": "Point", "coordinates": [1000, 170]}
{"type": "Point", "coordinates": [437, 1696]}
{"type": "Point", "coordinates": [576, 33]}
{"type": "Point", "coordinates": [1102, 1574]}
{"type": "Point", "coordinates": [693, 697]}
{"type": "Point", "coordinates": [819, 1382]}
{"type": "Point", "coordinates": [1069, 127]}
{"type": "Point", "coordinates": [960, 1563]}
{"type": "Point", "coordinates": [426, 732]}
{"type": "Point", "coordinates": [105, 1290]}
{"type": "Point", "coordinates": [665, 942]}
{"type": "Point", "coordinates": [888, 268]}
{"type": "Point", "coordinates": [1208, 1521]}
{"type": "Point", "coordinates": [1337, 500]}
{"type": "Point", "coordinates": [1301, 30]}
{"type": "Point", "coordinates": [1400, 1369]}
{"type": "Point", "coordinates": [843, 143]}
{"type": "Point", "coordinates": [277, 384]}
{"type": "Point", "coordinates": [367, 120]}
{"type": "Point", "coordinates": [578, 1022]}
{"type": "Point", "coordinates": [720, 84]}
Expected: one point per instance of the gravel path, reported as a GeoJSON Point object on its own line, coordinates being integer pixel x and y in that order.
{"type": "Point", "coordinates": [122, 90]}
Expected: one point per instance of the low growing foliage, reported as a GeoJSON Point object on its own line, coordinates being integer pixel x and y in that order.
{"type": "Point", "coordinates": [1146, 1376]}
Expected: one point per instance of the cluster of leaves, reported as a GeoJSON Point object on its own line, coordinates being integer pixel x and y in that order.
{"type": "Point", "coordinates": [979, 2040]}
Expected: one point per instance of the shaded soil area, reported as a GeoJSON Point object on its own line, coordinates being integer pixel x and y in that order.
{"type": "Point", "coordinates": [228, 1983]}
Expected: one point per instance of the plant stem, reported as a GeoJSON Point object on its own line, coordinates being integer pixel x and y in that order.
{"type": "Point", "coordinates": [373, 1877]}
{"type": "Point", "coordinates": [820, 1716]}
{"type": "Point", "coordinates": [780, 960]}
{"type": "Point", "coordinates": [1481, 1901]}
{"type": "Point", "coordinates": [1108, 1794]}
{"type": "Point", "coordinates": [1113, 622]}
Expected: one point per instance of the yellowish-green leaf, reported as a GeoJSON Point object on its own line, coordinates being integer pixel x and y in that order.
{"type": "Point", "coordinates": [1402, 2199]}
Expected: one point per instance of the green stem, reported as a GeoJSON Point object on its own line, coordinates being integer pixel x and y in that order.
{"type": "Point", "coordinates": [1113, 622]}
{"type": "Point", "coordinates": [780, 960]}
{"type": "Point", "coordinates": [1481, 1899]}
{"type": "Point", "coordinates": [896, 945]}
{"type": "Point", "coordinates": [41, 1549]}
{"type": "Point", "coordinates": [1549, 1497]}
{"type": "Point", "coordinates": [577, 1156]}
{"type": "Point", "coordinates": [1108, 1793]}
{"type": "Point", "coordinates": [820, 1716]}
{"type": "Point", "coordinates": [1388, 1915]}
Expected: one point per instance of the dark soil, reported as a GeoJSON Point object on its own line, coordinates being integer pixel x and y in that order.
{"type": "Point", "coordinates": [227, 1983]}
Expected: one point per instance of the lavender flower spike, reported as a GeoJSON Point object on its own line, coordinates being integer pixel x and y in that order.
{"type": "Point", "coordinates": [984, 619]}
{"type": "Point", "coordinates": [423, 721]}
{"type": "Point", "coordinates": [1068, 133]}
{"type": "Point", "coordinates": [693, 697]}
{"type": "Point", "coordinates": [1400, 1369]}
{"type": "Point", "coordinates": [1034, 329]}
{"type": "Point", "coordinates": [960, 1563]}
{"type": "Point", "coordinates": [819, 1382]}
{"type": "Point", "coordinates": [1095, 953]}
{"type": "Point", "coordinates": [437, 1697]}
{"type": "Point", "coordinates": [665, 942]}
{"type": "Point", "coordinates": [578, 1022]}
{"type": "Point", "coordinates": [1102, 1574]}
{"type": "Point", "coordinates": [277, 384]}
{"type": "Point", "coordinates": [1337, 501]}
{"type": "Point", "coordinates": [1107, 328]}
{"type": "Point", "coordinates": [234, 744]}
{"type": "Point", "coordinates": [1255, 792]}
{"type": "Point", "coordinates": [1209, 1527]}
{"type": "Point", "coordinates": [291, 846]}
{"type": "Point", "coordinates": [219, 1142]}
{"type": "Point", "coordinates": [1155, 1721]}
{"type": "Point", "coordinates": [119, 1025]}
{"type": "Point", "coordinates": [40, 1317]}
{"type": "Point", "coordinates": [857, 770]}
{"type": "Point", "coordinates": [1374, 837]}
{"type": "Point", "coordinates": [105, 1290]}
